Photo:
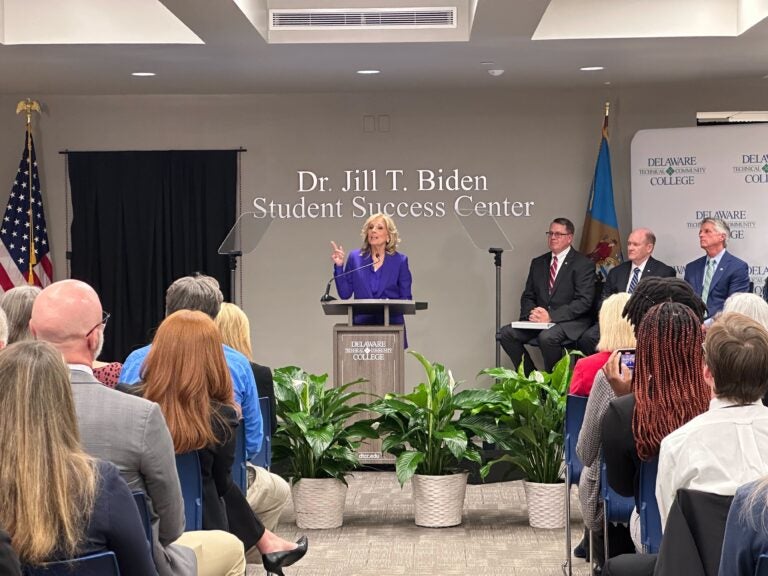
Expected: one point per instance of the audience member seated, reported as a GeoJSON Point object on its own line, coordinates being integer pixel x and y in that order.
{"type": "Point", "coordinates": [750, 305]}
{"type": "Point", "coordinates": [131, 433]}
{"type": "Point", "coordinates": [9, 560]}
{"type": "Point", "coordinates": [267, 493]}
{"type": "Point", "coordinates": [17, 305]}
{"type": "Point", "coordinates": [108, 373]}
{"type": "Point", "coordinates": [727, 446]}
{"type": "Point", "coordinates": [186, 374]}
{"type": "Point", "coordinates": [615, 333]}
{"type": "Point", "coordinates": [746, 531]}
{"type": "Point", "coordinates": [57, 501]}
{"type": "Point", "coordinates": [667, 390]}
{"type": "Point", "coordinates": [202, 293]}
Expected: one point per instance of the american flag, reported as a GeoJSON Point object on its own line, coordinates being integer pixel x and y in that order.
{"type": "Point", "coordinates": [24, 247]}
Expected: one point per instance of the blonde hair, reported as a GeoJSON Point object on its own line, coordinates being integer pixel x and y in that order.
{"type": "Point", "coordinates": [394, 237]}
{"type": "Point", "coordinates": [47, 482]}
{"type": "Point", "coordinates": [615, 330]}
{"type": "Point", "coordinates": [235, 329]}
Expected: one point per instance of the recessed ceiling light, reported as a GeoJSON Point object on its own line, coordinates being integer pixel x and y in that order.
{"type": "Point", "coordinates": [487, 63]}
{"type": "Point", "coordinates": [369, 71]}
{"type": "Point", "coordinates": [591, 68]}
{"type": "Point", "coordinates": [607, 83]}
{"type": "Point", "coordinates": [496, 72]}
{"type": "Point", "coordinates": [142, 73]}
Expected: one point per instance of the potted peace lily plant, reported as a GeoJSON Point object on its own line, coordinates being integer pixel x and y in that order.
{"type": "Point", "coordinates": [317, 443]}
{"type": "Point", "coordinates": [429, 431]}
{"type": "Point", "coordinates": [532, 407]}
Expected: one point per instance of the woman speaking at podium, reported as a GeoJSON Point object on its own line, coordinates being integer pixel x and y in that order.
{"type": "Point", "coordinates": [375, 271]}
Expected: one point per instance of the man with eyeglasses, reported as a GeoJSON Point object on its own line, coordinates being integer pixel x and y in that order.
{"type": "Point", "coordinates": [560, 289]}
{"type": "Point", "coordinates": [130, 432]}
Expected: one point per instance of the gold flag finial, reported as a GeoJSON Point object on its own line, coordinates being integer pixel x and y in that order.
{"type": "Point", "coordinates": [28, 106]}
{"type": "Point", "coordinates": [607, 108]}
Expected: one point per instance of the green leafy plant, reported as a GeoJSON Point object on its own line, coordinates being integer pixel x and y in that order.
{"type": "Point", "coordinates": [431, 429]}
{"type": "Point", "coordinates": [532, 408]}
{"type": "Point", "coordinates": [313, 436]}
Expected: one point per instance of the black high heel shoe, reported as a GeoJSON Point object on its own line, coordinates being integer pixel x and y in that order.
{"type": "Point", "coordinates": [274, 562]}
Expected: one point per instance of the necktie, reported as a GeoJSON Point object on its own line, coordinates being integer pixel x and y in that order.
{"type": "Point", "coordinates": [633, 282]}
{"type": "Point", "coordinates": [707, 280]}
{"type": "Point", "coordinates": [552, 273]}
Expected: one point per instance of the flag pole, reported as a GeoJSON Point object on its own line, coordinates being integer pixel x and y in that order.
{"type": "Point", "coordinates": [28, 106]}
{"type": "Point", "coordinates": [605, 120]}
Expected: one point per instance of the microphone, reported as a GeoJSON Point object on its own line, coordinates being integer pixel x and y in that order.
{"type": "Point", "coordinates": [326, 297]}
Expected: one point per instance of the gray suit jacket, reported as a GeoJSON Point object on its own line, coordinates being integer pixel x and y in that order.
{"type": "Point", "coordinates": [131, 433]}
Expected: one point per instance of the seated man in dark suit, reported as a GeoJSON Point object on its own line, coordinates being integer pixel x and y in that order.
{"type": "Point", "coordinates": [625, 276]}
{"type": "Point", "coordinates": [560, 288]}
{"type": "Point", "coordinates": [719, 273]}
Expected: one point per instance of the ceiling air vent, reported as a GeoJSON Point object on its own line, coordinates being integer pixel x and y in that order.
{"type": "Point", "coordinates": [370, 19]}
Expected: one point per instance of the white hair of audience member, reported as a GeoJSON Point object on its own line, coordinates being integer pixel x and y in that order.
{"type": "Point", "coordinates": [750, 305]}
{"type": "Point", "coordinates": [17, 305]}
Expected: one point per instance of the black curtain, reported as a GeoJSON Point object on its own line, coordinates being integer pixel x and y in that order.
{"type": "Point", "coordinates": [140, 221]}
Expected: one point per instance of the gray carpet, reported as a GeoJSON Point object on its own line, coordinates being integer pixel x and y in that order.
{"type": "Point", "coordinates": [379, 536]}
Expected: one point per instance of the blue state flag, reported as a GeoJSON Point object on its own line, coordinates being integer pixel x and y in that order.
{"type": "Point", "coordinates": [600, 239]}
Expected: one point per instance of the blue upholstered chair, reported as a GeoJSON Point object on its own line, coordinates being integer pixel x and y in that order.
{"type": "Point", "coordinates": [99, 564]}
{"type": "Point", "coordinates": [650, 519]}
{"type": "Point", "coordinates": [616, 508]}
{"type": "Point", "coordinates": [239, 469]}
{"type": "Point", "coordinates": [188, 467]}
{"type": "Point", "coordinates": [264, 457]}
{"type": "Point", "coordinates": [141, 504]}
{"type": "Point", "coordinates": [575, 407]}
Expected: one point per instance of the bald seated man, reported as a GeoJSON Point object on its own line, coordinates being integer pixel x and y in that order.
{"type": "Point", "coordinates": [624, 277]}
{"type": "Point", "coordinates": [130, 432]}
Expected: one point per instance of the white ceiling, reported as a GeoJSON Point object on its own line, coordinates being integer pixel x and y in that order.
{"type": "Point", "coordinates": [235, 59]}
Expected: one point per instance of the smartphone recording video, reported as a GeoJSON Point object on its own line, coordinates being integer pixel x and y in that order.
{"type": "Point", "coordinates": [627, 358]}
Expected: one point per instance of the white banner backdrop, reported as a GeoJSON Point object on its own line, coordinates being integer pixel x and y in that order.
{"type": "Point", "coordinates": [681, 175]}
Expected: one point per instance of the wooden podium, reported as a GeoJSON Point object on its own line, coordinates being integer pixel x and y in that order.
{"type": "Point", "coordinates": [373, 352]}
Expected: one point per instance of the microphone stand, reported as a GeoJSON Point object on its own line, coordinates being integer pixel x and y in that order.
{"type": "Point", "coordinates": [326, 297]}
{"type": "Point", "coordinates": [497, 252]}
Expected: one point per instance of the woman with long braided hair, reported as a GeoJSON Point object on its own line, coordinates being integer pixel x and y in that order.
{"type": "Point", "coordinates": [668, 390]}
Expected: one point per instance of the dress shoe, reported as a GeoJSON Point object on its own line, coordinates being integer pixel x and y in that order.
{"type": "Point", "coordinates": [582, 548]}
{"type": "Point", "coordinates": [274, 562]}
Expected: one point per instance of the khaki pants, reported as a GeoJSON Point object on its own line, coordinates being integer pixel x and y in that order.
{"type": "Point", "coordinates": [267, 495]}
{"type": "Point", "coordinates": [218, 553]}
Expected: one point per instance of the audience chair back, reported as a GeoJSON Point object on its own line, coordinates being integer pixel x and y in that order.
{"type": "Point", "coordinates": [762, 565]}
{"type": "Point", "coordinates": [575, 407]}
{"type": "Point", "coordinates": [264, 457]}
{"type": "Point", "coordinates": [616, 508]}
{"type": "Point", "coordinates": [650, 519]}
{"type": "Point", "coordinates": [99, 564]}
{"type": "Point", "coordinates": [188, 468]}
{"type": "Point", "coordinates": [239, 469]}
{"type": "Point", "coordinates": [141, 504]}
{"type": "Point", "coordinates": [694, 534]}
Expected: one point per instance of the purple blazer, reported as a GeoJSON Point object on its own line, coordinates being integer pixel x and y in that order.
{"type": "Point", "coordinates": [392, 280]}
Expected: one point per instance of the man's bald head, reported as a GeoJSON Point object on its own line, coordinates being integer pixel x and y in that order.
{"type": "Point", "coordinates": [68, 314]}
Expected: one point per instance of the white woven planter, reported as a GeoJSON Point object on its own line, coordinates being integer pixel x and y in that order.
{"type": "Point", "coordinates": [438, 501]}
{"type": "Point", "coordinates": [319, 503]}
{"type": "Point", "coordinates": [545, 504]}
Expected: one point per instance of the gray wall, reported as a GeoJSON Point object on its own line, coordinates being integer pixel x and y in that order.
{"type": "Point", "coordinates": [532, 145]}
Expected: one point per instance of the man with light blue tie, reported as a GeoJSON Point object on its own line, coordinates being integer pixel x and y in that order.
{"type": "Point", "coordinates": [719, 273]}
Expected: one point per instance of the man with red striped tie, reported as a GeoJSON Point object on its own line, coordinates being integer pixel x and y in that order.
{"type": "Point", "coordinates": [560, 289]}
